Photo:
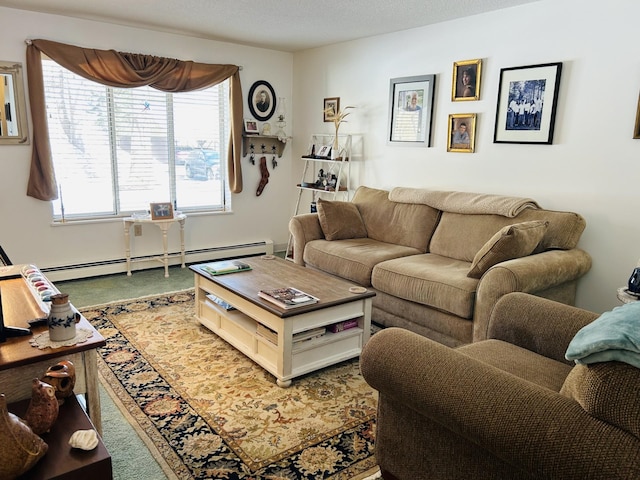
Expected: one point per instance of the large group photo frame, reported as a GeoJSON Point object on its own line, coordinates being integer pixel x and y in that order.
{"type": "Point", "coordinates": [527, 104]}
{"type": "Point", "coordinates": [411, 110]}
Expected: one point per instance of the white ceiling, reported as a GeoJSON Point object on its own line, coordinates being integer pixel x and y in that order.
{"type": "Point", "coordinates": [287, 25]}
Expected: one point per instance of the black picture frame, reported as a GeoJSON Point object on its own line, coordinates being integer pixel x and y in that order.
{"type": "Point", "coordinates": [258, 110]}
{"type": "Point", "coordinates": [411, 110]}
{"type": "Point", "coordinates": [536, 86]}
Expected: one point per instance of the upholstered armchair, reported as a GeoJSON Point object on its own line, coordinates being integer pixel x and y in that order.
{"type": "Point", "coordinates": [509, 407]}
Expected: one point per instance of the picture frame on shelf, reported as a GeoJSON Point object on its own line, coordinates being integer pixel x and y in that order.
{"type": "Point", "coordinates": [324, 151]}
{"type": "Point", "coordinates": [527, 104]}
{"type": "Point", "coordinates": [330, 108]}
{"type": "Point", "coordinates": [466, 80]}
{"type": "Point", "coordinates": [636, 130]}
{"type": "Point", "coordinates": [411, 110]}
{"type": "Point", "coordinates": [251, 127]}
{"type": "Point", "coordinates": [161, 211]}
{"type": "Point", "coordinates": [462, 132]}
{"type": "Point", "coordinates": [262, 100]}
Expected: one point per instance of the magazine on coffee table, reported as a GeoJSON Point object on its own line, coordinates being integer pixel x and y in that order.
{"type": "Point", "coordinates": [287, 297]}
{"type": "Point", "coordinates": [225, 266]}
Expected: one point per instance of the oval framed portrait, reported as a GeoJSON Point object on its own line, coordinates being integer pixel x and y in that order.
{"type": "Point", "coordinates": [262, 100]}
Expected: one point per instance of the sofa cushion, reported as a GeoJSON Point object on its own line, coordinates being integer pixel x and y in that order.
{"type": "Point", "coordinates": [340, 220]}
{"type": "Point", "coordinates": [512, 241]}
{"type": "Point", "coordinates": [411, 225]}
{"type": "Point", "coordinates": [352, 259]}
{"type": "Point", "coordinates": [433, 280]}
{"type": "Point", "coordinates": [608, 391]}
{"type": "Point", "coordinates": [523, 363]}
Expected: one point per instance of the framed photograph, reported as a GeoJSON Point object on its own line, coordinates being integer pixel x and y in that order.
{"type": "Point", "coordinates": [251, 127]}
{"type": "Point", "coordinates": [462, 133]}
{"type": "Point", "coordinates": [527, 102]}
{"type": "Point", "coordinates": [324, 151]}
{"type": "Point", "coordinates": [331, 107]}
{"type": "Point", "coordinates": [262, 100]}
{"type": "Point", "coordinates": [466, 80]}
{"type": "Point", "coordinates": [410, 110]}
{"type": "Point", "coordinates": [636, 130]}
{"type": "Point", "coordinates": [161, 211]}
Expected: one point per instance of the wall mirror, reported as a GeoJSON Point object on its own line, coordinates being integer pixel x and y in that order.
{"type": "Point", "coordinates": [13, 113]}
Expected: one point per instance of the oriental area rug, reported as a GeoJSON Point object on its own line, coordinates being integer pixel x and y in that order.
{"type": "Point", "coordinates": [212, 413]}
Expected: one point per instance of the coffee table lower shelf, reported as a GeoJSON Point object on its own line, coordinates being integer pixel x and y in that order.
{"type": "Point", "coordinates": [286, 358]}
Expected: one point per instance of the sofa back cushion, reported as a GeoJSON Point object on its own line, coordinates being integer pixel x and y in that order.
{"type": "Point", "coordinates": [411, 225]}
{"type": "Point", "coordinates": [462, 236]}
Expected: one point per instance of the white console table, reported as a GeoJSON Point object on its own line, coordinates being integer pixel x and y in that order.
{"type": "Point", "coordinates": [164, 225]}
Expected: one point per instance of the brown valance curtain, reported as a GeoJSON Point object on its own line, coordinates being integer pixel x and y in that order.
{"type": "Point", "coordinates": [117, 69]}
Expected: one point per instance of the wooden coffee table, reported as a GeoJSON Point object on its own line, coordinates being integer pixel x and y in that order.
{"type": "Point", "coordinates": [283, 355]}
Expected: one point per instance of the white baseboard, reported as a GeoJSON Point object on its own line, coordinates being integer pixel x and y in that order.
{"type": "Point", "coordinates": [119, 265]}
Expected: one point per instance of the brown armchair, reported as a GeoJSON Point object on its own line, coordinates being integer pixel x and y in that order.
{"type": "Point", "coordinates": [509, 407]}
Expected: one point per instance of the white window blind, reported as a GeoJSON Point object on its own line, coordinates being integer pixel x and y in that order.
{"type": "Point", "coordinates": [115, 150]}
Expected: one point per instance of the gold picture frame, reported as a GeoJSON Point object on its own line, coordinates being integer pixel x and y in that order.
{"type": "Point", "coordinates": [161, 211]}
{"type": "Point", "coordinates": [462, 133]}
{"type": "Point", "coordinates": [466, 80]}
{"type": "Point", "coordinates": [636, 130]}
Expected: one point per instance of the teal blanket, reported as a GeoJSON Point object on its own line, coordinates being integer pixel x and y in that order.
{"type": "Point", "coordinates": [613, 336]}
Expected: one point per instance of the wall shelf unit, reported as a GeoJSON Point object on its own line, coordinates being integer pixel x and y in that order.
{"type": "Point", "coordinates": [258, 141]}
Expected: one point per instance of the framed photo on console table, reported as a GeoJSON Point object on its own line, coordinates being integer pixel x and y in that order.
{"type": "Point", "coordinates": [410, 110]}
{"type": "Point", "coordinates": [527, 102]}
{"type": "Point", "coordinates": [161, 211]}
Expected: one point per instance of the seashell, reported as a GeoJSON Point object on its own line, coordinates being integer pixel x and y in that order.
{"type": "Point", "coordinates": [84, 439]}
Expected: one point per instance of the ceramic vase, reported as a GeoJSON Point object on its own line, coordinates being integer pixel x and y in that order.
{"type": "Point", "coordinates": [62, 318]}
{"type": "Point", "coordinates": [61, 376]}
{"type": "Point", "coordinates": [20, 448]}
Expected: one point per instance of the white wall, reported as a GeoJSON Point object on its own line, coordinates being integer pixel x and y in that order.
{"type": "Point", "coordinates": [26, 231]}
{"type": "Point", "coordinates": [593, 166]}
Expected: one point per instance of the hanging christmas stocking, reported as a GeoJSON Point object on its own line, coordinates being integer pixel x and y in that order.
{"type": "Point", "coordinates": [264, 171]}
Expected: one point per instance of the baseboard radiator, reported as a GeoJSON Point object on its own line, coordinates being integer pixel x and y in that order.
{"type": "Point", "coordinates": [119, 265]}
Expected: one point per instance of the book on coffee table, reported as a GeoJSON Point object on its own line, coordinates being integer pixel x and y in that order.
{"type": "Point", "coordinates": [287, 297]}
{"type": "Point", "coordinates": [225, 266]}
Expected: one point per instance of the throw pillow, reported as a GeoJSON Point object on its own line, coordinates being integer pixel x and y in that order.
{"type": "Point", "coordinates": [340, 220]}
{"type": "Point", "coordinates": [512, 241]}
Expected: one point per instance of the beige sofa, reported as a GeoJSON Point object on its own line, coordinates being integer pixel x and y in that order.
{"type": "Point", "coordinates": [436, 260]}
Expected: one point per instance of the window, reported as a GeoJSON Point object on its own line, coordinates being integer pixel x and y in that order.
{"type": "Point", "coordinates": [115, 150]}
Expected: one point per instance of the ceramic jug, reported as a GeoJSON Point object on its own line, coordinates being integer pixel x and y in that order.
{"type": "Point", "coordinates": [62, 319]}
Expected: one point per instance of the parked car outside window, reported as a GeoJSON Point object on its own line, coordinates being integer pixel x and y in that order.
{"type": "Point", "coordinates": [203, 164]}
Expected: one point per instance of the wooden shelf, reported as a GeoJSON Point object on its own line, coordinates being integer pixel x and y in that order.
{"type": "Point", "coordinates": [269, 141]}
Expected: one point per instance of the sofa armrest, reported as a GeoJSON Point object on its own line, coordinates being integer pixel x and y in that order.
{"type": "Point", "coordinates": [537, 324]}
{"type": "Point", "coordinates": [531, 274]}
{"type": "Point", "coordinates": [525, 425]}
{"type": "Point", "coordinates": [304, 228]}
